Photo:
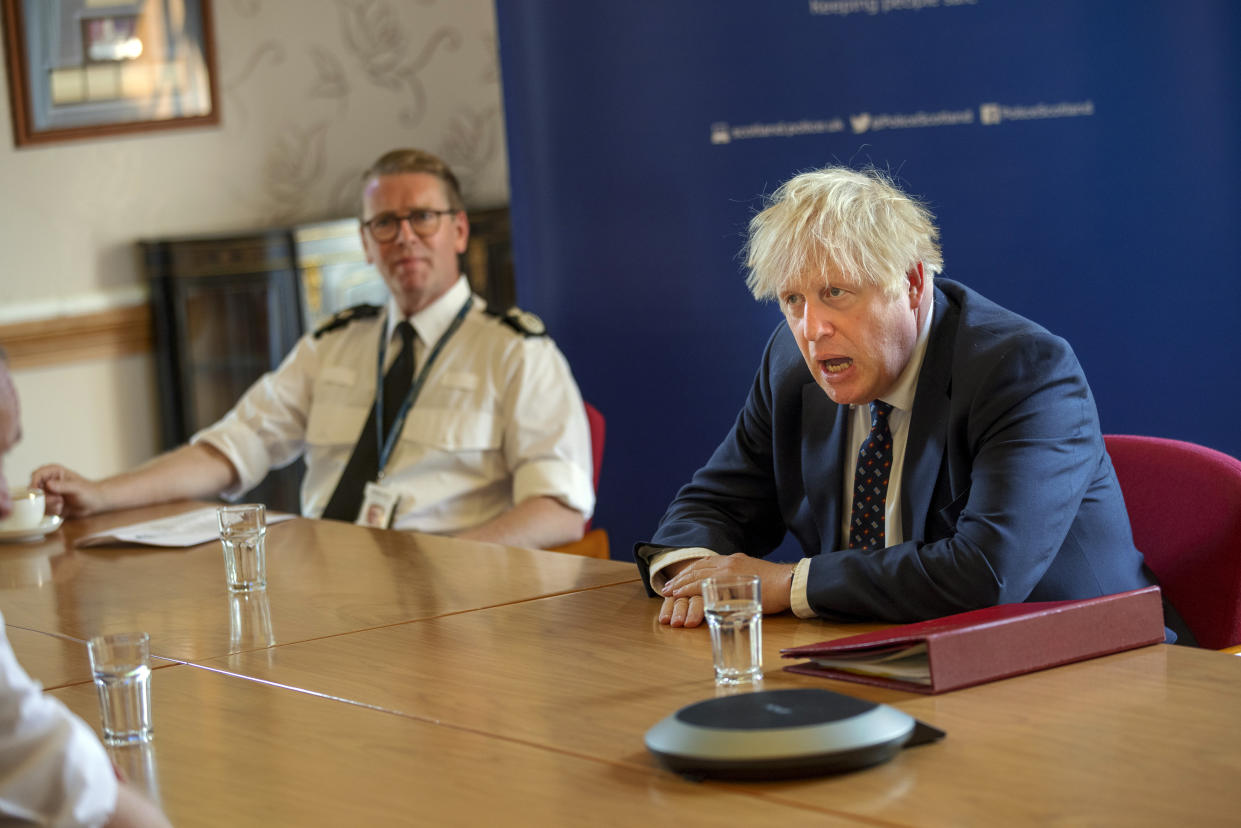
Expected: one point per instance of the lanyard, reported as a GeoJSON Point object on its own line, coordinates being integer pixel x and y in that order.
{"type": "Point", "coordinates": [386, 446]}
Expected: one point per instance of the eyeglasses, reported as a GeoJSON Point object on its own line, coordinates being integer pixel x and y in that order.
{"type": "Point", "coordinates": [387, 226]}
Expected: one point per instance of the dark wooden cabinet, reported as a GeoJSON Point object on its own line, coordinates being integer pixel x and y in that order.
{"type": "Point", "coordinates": [228, 308]}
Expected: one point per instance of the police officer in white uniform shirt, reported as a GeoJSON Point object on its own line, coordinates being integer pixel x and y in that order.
{"type": "Point", "coordinates": [484, 437]}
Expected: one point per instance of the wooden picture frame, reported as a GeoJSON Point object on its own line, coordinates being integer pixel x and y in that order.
{"type": "Point", "coordinates": [89, 68]}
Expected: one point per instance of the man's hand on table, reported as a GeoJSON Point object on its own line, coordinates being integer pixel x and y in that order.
{"type": "Point", "coordinates": [68, 493]}
{"type": "Point", "coordinates": [682, 593]}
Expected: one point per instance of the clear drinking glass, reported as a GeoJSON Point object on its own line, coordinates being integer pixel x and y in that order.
{"type": "Point", "coordinates": [243, 535]}
{"type": "Point", "coordinates": [120, 664]}
{"type": "Point", "coordinates": [734, 610]}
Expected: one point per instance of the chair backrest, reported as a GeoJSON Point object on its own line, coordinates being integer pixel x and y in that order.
{"type": "Point", "coordinates": [598, 430]}
{"type": "Point", "coordinates": [1184, 504]}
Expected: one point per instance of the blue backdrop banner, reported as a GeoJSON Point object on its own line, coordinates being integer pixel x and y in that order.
{"type": "Point", "coordinates": [1082, 159]}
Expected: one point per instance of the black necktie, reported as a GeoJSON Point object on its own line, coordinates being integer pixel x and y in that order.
{"type": "Point", "coordinates": [363, 465]}
{"type": "Point", "coordinates": [870, 482]}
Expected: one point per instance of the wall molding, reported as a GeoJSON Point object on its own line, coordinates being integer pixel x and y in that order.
{"type": "Point", "coordinates": [105, 334]}
{"type": "Point", "coordinates": [74, 304]}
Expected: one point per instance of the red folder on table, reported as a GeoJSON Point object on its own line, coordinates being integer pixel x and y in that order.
{"type": "Point", "coordinates": [988, 644]}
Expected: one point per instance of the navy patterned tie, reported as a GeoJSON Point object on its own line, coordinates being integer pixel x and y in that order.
{"type": "Point", "coordinates": [870, 482]}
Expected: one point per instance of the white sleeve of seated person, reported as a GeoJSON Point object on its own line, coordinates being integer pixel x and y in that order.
{"type": "Point", "coordinates": [547, 436]}
{"type": "Point", "coordinates": [266, 429]}
{"type": "Point", "coordinates": [53, 771]}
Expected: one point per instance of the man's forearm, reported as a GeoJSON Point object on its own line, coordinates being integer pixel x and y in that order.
{"type": "Point", "coordinates": [536, 523]}
{"type": "Point", "coordinates": [191, 471]}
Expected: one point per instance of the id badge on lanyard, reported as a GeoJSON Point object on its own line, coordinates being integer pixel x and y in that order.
{"type": "Point", "coordinates": [378, 506]}
{"type": "Point", "coordinates": [379, 501]}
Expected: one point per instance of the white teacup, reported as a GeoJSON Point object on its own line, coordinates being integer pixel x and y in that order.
{"type": "Point", "coordinates": [27, 510]}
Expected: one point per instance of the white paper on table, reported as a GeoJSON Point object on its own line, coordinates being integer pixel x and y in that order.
{"type": "Point", "coordinates": [186, 529]}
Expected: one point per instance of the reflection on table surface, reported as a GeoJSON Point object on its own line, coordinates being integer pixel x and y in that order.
{"type": "Point", "coordinates": [233, 752]}
{"type": "Point", "coordinates": [1067, 735]}
{"type": "Point", "coordinates": [390, 678]}
{"type": "Point", "coordinates": [325, 578]}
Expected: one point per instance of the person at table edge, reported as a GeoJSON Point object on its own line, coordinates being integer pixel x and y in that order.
{"type": "Point", "coordinates": [1000, 488]}
{"type": "Point", "coordinates": [53, 771]}
{"type": "Point", "coordinates": [495, 447]}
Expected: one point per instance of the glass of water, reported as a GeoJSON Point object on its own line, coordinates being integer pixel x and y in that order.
{"type": "Point", "coordinates": [243, 534]}
{"type": "Point", "coordinates": [120, 664]}
{"type": "Point", "coordinates": [734, 609]}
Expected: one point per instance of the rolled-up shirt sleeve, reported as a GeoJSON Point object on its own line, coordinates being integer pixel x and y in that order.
{"type": "Point", "coordinates": [266, 429]}
{"type": "Point", "coordinates": [547, 437]}
{"type": "Point", "coordinates": [53, 771]}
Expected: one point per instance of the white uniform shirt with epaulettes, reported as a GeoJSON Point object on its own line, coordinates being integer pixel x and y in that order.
{"type": "Point", "coordinates": [500, 419]}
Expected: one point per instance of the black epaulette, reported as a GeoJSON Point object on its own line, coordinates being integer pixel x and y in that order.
{"type": "Point", "coordinates": [342, 318]}
{"type": "Point", "coordinates": [524, 322]}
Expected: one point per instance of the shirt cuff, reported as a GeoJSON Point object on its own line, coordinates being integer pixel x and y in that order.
{"type": "Point", "coordinates": [797, 592]}
{"type": "Point", "coordinates": [559, 479]}
{"type": "Point", "coordinates": [671, 556]}
{"type": "Point", "coordinates": [243, 450]}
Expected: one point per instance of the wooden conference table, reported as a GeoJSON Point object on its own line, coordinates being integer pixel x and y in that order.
{"type": "Point", "coordinates": [390, 679]}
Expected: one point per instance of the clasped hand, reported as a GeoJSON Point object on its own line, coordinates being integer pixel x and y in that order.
{"type": "Point", "coordinates": [682, 593]}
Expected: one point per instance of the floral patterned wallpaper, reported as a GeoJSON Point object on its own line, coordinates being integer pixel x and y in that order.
{"type": "Point", "coordinates": [319, 88]}
{"type": "Point", "coordinates": [310, 93]}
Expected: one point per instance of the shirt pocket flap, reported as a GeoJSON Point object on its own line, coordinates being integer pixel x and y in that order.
{"type": "Point", "coordinates": [460, 380]}
{"type": "Point", "coordinates": [453, 430]}
{"type": "Point", "coordinates": [338, 375]}
{"type": "Point", "coordinates": [335, 424]}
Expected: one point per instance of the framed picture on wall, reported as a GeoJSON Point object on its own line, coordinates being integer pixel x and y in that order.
{"type": "Point", "coordinates": [88, 68]}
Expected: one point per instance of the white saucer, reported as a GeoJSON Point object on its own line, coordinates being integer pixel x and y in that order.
{"type": "Point", "coordinates": [49, 524]}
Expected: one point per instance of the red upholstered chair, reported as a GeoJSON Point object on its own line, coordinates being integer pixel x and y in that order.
{"type": "Point", "coordinates": [594, 544]}
{"type": "Point", "coordinates": [1184, 503]}
{"type": "Point", "coordinates": [598, 431]}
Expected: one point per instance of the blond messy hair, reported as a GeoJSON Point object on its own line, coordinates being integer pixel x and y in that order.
{"type": "Point", "coordinates": [856, 223]}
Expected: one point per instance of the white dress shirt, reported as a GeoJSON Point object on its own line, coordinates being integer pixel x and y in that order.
{"type": "Point", "coordinates": [500, 419]}
{"type": "Point", "coordinates": [53, 771]}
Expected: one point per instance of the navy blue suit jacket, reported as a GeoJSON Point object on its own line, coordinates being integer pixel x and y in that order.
{"type": "Point", "coordinates": [1008, 494]}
